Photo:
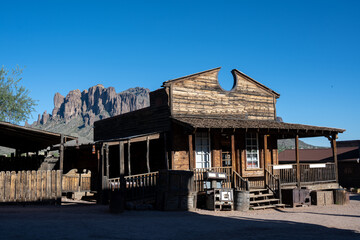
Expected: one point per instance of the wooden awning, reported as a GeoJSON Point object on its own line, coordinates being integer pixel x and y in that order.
{"type": "Point", "coordinates": [284, 130]}
{"type": "Point", "coordinates": [28, 139]}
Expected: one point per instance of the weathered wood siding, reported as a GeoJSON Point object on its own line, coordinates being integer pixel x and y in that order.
{"type": "Point", "coordinates": [30, 186]}
{"type": "Point", "coordinates": [76, 182]}
{"type": "Point", "coordinates": [146, 120]}
{"type": "Point", "coordinates": [180, 149]}
{"type": "Point", "coordinates": [202, 95]}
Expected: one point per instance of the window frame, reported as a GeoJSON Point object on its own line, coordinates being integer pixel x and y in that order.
{"type": "Point", "coordinates": [200, 153]}
{"type": "Point", "coordinates": [252, 150]}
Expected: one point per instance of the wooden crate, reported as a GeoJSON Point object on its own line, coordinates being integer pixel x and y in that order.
{"type": "Point", "coordinates": [341, 197]}
{"type": "Point", "coordinates": [322, 198]}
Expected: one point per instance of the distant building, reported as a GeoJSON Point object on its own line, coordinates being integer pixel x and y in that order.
{"type": "Point", "coordinates": [348, 153]}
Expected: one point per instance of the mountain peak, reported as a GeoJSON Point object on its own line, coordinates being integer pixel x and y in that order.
{"type": "Point", "coordinates": [78, 111]}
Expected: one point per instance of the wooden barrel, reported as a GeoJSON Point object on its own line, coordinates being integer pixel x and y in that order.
{"type": "Point", "coordinates": [242, 201]}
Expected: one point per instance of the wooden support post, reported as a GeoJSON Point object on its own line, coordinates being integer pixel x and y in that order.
{"type": "Point", "coordinates": [102, 167]}
{"type": "Point", "coordinates": [334, 152]}
{"type": "Point", "coordinates": [166, 152]}
{"type": "Point", "coordinates": [62, 152]}
{"type": "Point", "coordinates": [148, 154]}
{"type": "Point", "coordinates": [191, 152]}
{"type": "Point", "coordinates": [122, 159]}
{"type": "Point", "coordinates": [265, 159]}
{"type": "Point", "coordinates": [129, 158]}
{"type": "Point", "coordinates": [298, 178]}
{"type": "Point", "coordinates": [122, 175]}
{"type": "Point", "coordinates": [233, 162]}
{"type": "Point", "coordinates": [107, 161]}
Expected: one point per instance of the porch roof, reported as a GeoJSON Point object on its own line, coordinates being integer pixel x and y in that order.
{"type": "Point", "coordinates": [28, 139]}
{"type": "Point", "coordinates": [284, 130]}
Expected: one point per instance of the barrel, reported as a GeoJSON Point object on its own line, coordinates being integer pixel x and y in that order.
{"type": "Point", "coordinates": [242, 201]}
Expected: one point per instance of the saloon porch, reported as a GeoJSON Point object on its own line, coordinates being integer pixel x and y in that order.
{"type": "Point", "coordinates": [246, 150]}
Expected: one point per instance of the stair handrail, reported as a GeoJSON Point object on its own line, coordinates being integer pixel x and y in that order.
{"type": "Point", "coordinates": [239, 182]}
{"type": "Point", "coordinates": [273, 183]}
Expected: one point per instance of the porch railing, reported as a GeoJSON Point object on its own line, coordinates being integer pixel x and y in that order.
{"type": "Point", "coordinates": [199, 177]}
{"type": "Point", "coordinates": [233, 179]}
{"type": "Point", "coordinates": [273, 183]}
{"type": "Point", "coordinates": [240, 183]}
{"type": "Point", "coordinates": [138, 186]}
{"type": "Point", "coordinates": [309, 173]}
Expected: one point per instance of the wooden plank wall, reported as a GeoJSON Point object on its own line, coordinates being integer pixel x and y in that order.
{"type": "Point", "coordinates": [180, 148]}
{"type": "Point", "coordinates": [202, 95]}
{"type": "Point", "coordinates": [30, 186]}
{"type": "Point", "coordinates": [146, 120]}
{"type": "Point", "coordinates": [76, 182]}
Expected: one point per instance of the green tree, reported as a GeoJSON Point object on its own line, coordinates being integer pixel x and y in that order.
{"type": "Point", "coordinates": [15, 104]}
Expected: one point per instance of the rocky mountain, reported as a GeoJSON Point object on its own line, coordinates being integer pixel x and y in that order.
{"type": "Point", "coordinates": [76, 113]}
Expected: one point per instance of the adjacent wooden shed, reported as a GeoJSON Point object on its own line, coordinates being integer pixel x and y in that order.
{"type": "Point", "coordinates": [20, 177]}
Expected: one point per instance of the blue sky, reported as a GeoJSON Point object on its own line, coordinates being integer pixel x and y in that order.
{"type": "Point", "coordinates": [308, 51]}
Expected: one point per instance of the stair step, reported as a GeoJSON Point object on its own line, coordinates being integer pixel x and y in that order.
{"type": "Point", "coordinates": [258, 190]}
{"type": "Point", "coordinates": [280, 205]}
{"type": "Point", "coordinates": [261, 195]}
{"type": "Point", "coordinates": [263, 207]}
{"type": "Point", "coordinates": [265, 201]}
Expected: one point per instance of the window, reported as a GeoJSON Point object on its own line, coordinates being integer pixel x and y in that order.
{"type": "Point", "coordinates": [202, 148]}
{"type": "Point", "coordinates": [252, 151]}
{"type": "Point", "coordinates": [226, 159]}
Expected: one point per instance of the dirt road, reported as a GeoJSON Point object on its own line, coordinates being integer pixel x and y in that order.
{"type": "Point", "coordinates": [95, 222]}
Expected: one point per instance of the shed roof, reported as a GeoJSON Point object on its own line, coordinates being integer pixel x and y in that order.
{"type": "Point", "coordinates": [28, 139]}
{"type": "Point", "coordinates": [223, 122]}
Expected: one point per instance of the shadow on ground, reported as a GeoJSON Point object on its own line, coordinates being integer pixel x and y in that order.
{"type": "Point", "coordinates": [95, 222]}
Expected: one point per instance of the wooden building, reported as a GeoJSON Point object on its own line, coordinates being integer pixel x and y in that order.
{"type": "Point", "coordinates": [348, 155]}
{"type": "Point", "coordinates": [194, 124]}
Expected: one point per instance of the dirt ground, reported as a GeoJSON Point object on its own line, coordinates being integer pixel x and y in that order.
{"type": "Point", "coordinates": [95, 222]}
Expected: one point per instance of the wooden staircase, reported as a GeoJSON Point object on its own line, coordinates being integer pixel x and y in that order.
{"type": "Point", "coordinates": [263, 199]}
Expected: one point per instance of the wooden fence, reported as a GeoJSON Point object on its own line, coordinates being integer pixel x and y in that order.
{"type": "Point", "coordinates": [76, 182]}
{"type": "Point", "coordinates": [30, 186]}
{"type": "Point", "coordinates": [138, 186]}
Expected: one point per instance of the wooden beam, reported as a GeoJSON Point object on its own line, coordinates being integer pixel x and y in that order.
{"type": "Point", "coordinates": [61, 152]}
{"type": "Point", "coordinates": [102, 167]}
{"type": "Point", "coordinates": [137, 139]}
{"type": "Point", "coordinates": [107, 161]}
{"type": "Point", "coordinates": [265, 159]}
{"type": "Point", "coordinates": [129, 158]}
{"type": "Point", "coordinates": [166, 152]}
{"type": "Point", "coordinates": [265, 151]}
{"type": "Point", "coordinates": [122, 164]}
{"type": "Point", "coordinates": [334, 152]}
{"type": "Point", "coordinates": [147, 154]}
{"type": "Point", "coordinates": [232, 142]}
{"type": "Point", "coordinates": [121, 158]}
{"type": "Point", "coordinates": [297, 160]}
{"type": "Point", "coordinates": [191, 152]}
